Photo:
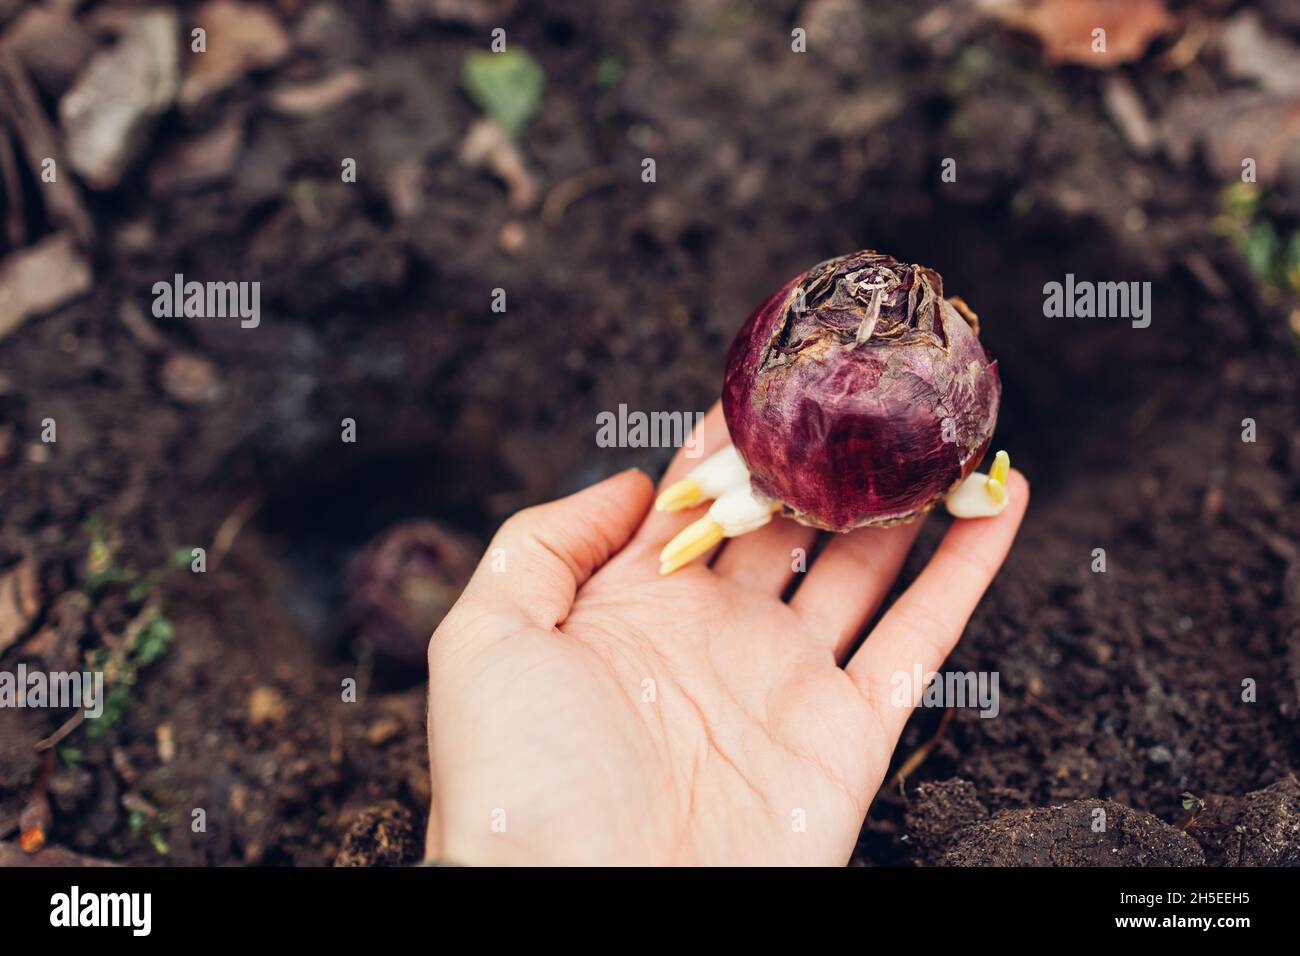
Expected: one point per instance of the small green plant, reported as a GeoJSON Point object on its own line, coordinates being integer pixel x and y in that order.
{"type": "Point", "coordinates": [101, 566]}
{"type": "Point", "coordinates": [1192, 806]}
{"type": "Point", "coordinates": [146, 638]}
{"type": "Point", "coordinates": [506, 86]}
{"type": "Point", "coordinates": [149, 827]}
{"type": "Point", "coordinates": [152, 640]}
{"type": "Point", "coordinates": [609, 72]}
{"type": "Point", "coordinates": [1270, 251]}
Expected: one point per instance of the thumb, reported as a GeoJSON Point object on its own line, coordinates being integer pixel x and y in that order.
{"type": "Point", "coordinates": [542, 555]}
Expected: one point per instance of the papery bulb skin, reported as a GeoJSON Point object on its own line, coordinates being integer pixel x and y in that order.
{"type": "Point", "coordinates": [858, 395]}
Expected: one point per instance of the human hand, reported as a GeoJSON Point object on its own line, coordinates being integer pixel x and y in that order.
{"type": "Point", "coordinates": [585, 710]}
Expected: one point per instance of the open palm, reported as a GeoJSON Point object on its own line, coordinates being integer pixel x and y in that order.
{"type": "Point", "coordinates": [584, 709]}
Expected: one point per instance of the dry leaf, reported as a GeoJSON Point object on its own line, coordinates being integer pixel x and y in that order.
{"type": "Point", "coordinates": [19, 602]}
{"type": "Point", "coordinates": [1065, 27]}
{"type": "Point", "coordinates": [39, 279]}
{"type": "Point", "coordinates": [1253, 52]}
{"type": "Point", "coordinates": [241, 38]}
{"type": "Point", "coordinates": [1222, 125]}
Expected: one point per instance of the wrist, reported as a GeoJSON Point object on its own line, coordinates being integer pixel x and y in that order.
{"type": "Point", "coordinates": [451, 845]}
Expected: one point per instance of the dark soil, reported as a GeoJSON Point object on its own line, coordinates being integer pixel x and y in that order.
{"type": "Point", "coordinates": [1083, 833]}
{"type": "Point", "coordinates": [1120, 690]}
{"type": "Point", "coordinates": [1259, 829]}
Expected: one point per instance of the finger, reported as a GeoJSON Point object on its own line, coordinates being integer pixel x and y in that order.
{"type": "Point", "coordinates": [924, 625]}
{"type": "Point", "coordinates": [848, 582]}
{"type": "Point", "coordinates": [765, 560]}
{"type": "Point", "coordinates": [542, 555]}
{"type": "Point", "coordinates": [707, 437]}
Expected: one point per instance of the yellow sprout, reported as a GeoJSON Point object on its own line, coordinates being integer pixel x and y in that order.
{"type": "Point", "coordinates": [691, 542]}
{"type": "Point", "coordinates": [681, 494]}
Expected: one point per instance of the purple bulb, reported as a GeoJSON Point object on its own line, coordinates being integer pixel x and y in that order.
{"type": "Point", "coordinates": [858, 395]}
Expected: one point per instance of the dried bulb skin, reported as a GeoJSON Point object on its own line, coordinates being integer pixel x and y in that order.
{"type": "Point", "coordinates": [858, 395]}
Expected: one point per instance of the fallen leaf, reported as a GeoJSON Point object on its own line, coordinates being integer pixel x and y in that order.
{"type": "Point", "coordinates": [1065, 27]}
{"type": "Point", "coordinates": [39, 279]}
{"type": "Point", "coordinates": [19, 602]}
{"type": "Point", "coordinates": [1231, 126]}
{"type": "Point", "coordinates": [110, 111]}
{"type": "Point", "coordinates": [1252, 53]}
{"type": "Point", "coordinates": [241, 38]}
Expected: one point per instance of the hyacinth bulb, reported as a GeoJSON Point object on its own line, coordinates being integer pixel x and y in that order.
{"type": "Point", "coordinates": [402, 584]}
{"type": "Point", "coordinates": [857, 395]}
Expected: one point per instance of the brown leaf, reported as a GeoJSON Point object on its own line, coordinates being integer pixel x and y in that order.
{"type": "Point", "coordinates": [241, 38]}
{"type": "Point", "coordinates": [109, 114]}
{"type": "Point", "coordinates": [1065, 27]}
{"type": "Point", "coordinates": [1228, 127]}
{"type": "Point", "coordinates": [19, 602]}
{"type": "Point", "coordinates": [39, 279]}
{"type": "Point", "coordinates": [1252, 52]}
